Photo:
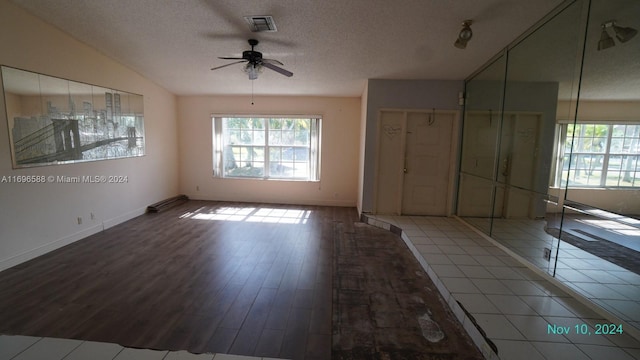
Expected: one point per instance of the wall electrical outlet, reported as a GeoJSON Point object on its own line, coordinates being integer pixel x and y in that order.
{"type": "Point", "coordinates": [79, 220]}
{"type": "Point", "coordinates": [93, 217]}
{"type": "Point", "coordinates": [547, 254]}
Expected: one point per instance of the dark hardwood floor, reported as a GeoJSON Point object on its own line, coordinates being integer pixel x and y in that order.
{"type": "Point", "coordinates": [246, 279]}
{"type": "Point", "coordinates": [258, 283]}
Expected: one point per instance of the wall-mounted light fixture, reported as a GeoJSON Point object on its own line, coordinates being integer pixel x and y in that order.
{"type": "Point", "coordinates": [623, 34]}
{"type": "Point", "coordinates": [465, 35]}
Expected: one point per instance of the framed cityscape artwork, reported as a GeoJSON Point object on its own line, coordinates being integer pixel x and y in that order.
{"type": "Point", "coordinates": [58, 121]}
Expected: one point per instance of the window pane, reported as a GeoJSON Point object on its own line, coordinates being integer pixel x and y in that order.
{"type": "Point", "coordinates": [287, 169]}
{"type": "Point", "coordinates": [629, 171]}
{"type": "Point", "coordinates": [591, 152]}
{"type": "Point", "coordinates": [630, 146]}
{"type": "Point", "coordinates": [288, 124]}
{"type": "Point", "coordinates": [618, 130]}
{"type": "Point", "coordinates": [289, 162]}
{"type": "Point", "coordinates": [301, 154]}
{"type": "Point", "coordinates": [258, 154]}
{"type": "Point", "coordinates": [287, 154]}
{"type": "Point", "coordinates": [302, 132]}
{"type": "Point", "coordinates": [258, 124]}
{"type": "Point", "coordinates": [246, 155]}
{"type": "Point", "coordinates": [623, 172]}
{"type": "Point", "coordinates": [632, 131]}
{"type": "Point", "coordinates": [586, 169]}
{"type": "Point", "coordinates": [616, 145]}
{"type": "Point", "coordinates": [232, 137]}
{"type": "Point", "coordinates": [590, 138]}
{"type": "Point", "coordinates": [233, 123]}
{"type": "Point", "coordinates": [275, 137]}
{"type": "Point", "coordinates": [287, 137]}
{"type": "Point", "coordinates": [303, 125]}
{"type": "Point", "coordinates": [246, 137]}
{"type": "Point", "coordinates": [257, 170]}
{"type": "Point", "coordinates": [258, 137]}
{"type": "Point", "coordinates": [247, 147]}
{"type": "Point", "coordinates": [229, 158]}
{"type": "Point", "coordinates": [595, 162]}
{"type": "Point", "coordinates": [281, 170]}
{"type": "Point", "coordinates": [275, 154]}
{"type": "Point", "coordinates": [275, 124]}
{"type": "Point", "coordinates": [613, 171]}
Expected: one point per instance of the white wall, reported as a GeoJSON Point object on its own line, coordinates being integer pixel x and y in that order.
{"type": "Point", "coordinates": [37, 218]}
{"type": "Point", "coordinates": [340, 147]}
{"type": "Point", "coordinates": [400, 94]}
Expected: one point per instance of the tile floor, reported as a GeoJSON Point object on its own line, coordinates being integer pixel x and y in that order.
{"type": "Point", "coordinates": [610, 286]}
{"type": "Point", "coordinates": [36, 348]}
{"type": "Point", "coordinates": [519, 309]}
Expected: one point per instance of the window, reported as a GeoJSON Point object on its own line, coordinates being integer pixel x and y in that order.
{"type": "Point", "coordinates": [602, 155]}
{"type": "Point", "coordinates": [267, 147]}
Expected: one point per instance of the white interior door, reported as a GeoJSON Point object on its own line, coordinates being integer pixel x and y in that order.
{"type": "Point", "coordinates": [518, 163]}
{"type": "Point", "coordinates": [477, 191]}
{"type": "Point", "coordinates": [427, 163]}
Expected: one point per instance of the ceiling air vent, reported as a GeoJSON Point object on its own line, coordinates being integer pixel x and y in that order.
{"type": "Point", "coordinates": [260, 23]}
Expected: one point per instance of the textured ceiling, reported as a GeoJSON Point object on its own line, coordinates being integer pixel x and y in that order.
{"type": "Point", "coordinates": [331, 46]}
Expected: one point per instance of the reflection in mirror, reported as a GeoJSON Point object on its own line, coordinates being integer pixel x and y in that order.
{"type": "Point", "coordinates": [604, 171]}
{"type": "Point", "coordinates": [567, 145]}
{"type": "Point", "coordinates": [475, 202]}
{"type": "Point", "coordinates": [601, 169]}
{"type": "Point", "coordinates": [543, 70]}
{"type": "Point", "coordinates": [483, 106]}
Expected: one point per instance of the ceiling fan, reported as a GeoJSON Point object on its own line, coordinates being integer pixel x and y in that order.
{"type": "Point", "coordinates": [255, 62]}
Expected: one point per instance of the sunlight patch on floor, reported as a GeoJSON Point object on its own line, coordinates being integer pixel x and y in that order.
{"type": "Point", "coordinates": [251, 214]}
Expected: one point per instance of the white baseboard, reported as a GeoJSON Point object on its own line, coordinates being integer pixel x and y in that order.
{"type": "Point", "coordinates": [123, 217]}
{"type": "Point", "coordinates": [56, 244]}
{"type": "Point", "coordinates": [318, 202]}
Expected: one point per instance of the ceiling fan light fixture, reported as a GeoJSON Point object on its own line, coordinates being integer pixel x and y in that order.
{"type": "Point", "coordinates": [465, 35]}
{"type": "Point", "coordinates": [252, 70]}
{"type": "Point", "coordinates": [254, 63]}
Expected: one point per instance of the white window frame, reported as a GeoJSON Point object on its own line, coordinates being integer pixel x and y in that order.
{"type": "Point", "coordinates": [561, 181]}
{"type": "Point", "coordinates": [219, 147]}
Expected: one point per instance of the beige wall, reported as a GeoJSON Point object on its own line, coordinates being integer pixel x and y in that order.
{"type": "Point", "coordinates": [363, 138]}
{"type": "Point", "coordinates": [37, 218]}
{"type": "Point", "coordinates": [600, 110]}
{"type": "Point", "coordinates": [340, 148]}
{"type": "Point", "coordinates": [619, 201]}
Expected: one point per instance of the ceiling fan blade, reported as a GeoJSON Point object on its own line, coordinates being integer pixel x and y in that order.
{"type": "Point", "coordinates": [277, 69]}
{"type": "Point", "coordinates": [230, 58]}
{"type": "Point", "coordinates": [244, 34]}
{"type": "Point", "coordinates": [273, 61]}
{"type": "Point", "coordinates": [233, 63]}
